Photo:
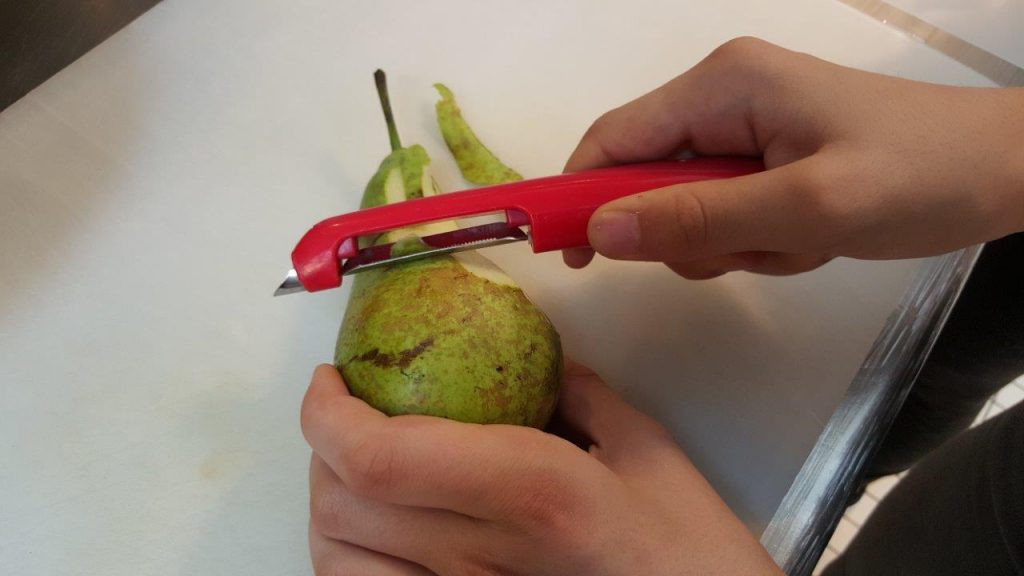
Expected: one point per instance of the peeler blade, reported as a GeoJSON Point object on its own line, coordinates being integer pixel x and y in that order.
{"type": "Point", "coordinates": [472, 238]}
{"type": "Point", "coordinates": [290, 285]}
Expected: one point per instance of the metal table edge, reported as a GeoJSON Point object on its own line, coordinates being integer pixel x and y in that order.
{"type": "Point", "coordinates": [810, 511]}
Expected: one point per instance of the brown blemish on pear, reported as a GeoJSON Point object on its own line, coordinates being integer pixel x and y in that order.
{"type": "Point", "coordinates": [401, 360]}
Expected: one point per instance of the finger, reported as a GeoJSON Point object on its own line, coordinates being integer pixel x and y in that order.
{"type": "Point", "coordinates": [429, 537]}
{"type": "Point", "coordinates": [577, 257]}
{"type": "Point", "coordinates": [786, 209]}
{"type": "Point", "coordinates": [623, 438]}
{"type": "Point", "coordinates": [335, 558]}
{"type": "Point", "coordinates": [640, 452]}
{"type": "Point", "coordinates": [479, 471]}
{"type": "Point", "coordinates": [782, 264]}
{"type": "Point", "coordinates": [769, 263]}
{"type": "Point", "coordinates": [715, 266]}
{"type": "Point", "coordinates": [710, 109]}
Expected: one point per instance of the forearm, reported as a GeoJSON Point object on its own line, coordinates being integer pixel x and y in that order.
{"type": "Point", "coordinates": [1013, 99]}
{"type": "Point", "coordinates": [994, 147]}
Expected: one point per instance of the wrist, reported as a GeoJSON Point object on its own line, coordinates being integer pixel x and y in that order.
{"type": "Point", "coordinates": [993, 156]}
{"type": "Point", "coordinates": [1012, 169]}
{"type": "Point", "coordinates": [1017, 161]}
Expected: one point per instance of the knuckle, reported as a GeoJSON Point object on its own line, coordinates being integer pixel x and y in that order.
{"type": "Point", "coordinates": [482, 564]}
{"type": "Point", "coordinates": [333, 564]}
{"type": "Point", "coordinates": [326, 514]}
{"type": "Point", "coordinates": [694, 272]}
{"type": "Point", "coordinates": [657, 432]}
{"type": "Point", "coordinates": [690, 220]}
{"type": "Point", "coordinates": [371, 465]}
{"type": "Point", "coordinates": [544, 510]}
{"type": "Point", "coordinates": [604, 123]}
{"type": "Point", "coordinates": [740, 50]}
{"type": "Point", "coordinates": [308, 413]}
{"type": "Point", "coordinates": [822, 197]}
{"type": "Point", "coordinates": [326, 565]}
{"type": "Point", "coordinates": [795, 264]}
{"type": "Point", "coordinates": [755, 72]}
{"type": "Point", "coordinates": [597, 128]}
{"type": "Point", "coordinates": [602, 134]}
{"type": "Point", "coordinates": [758, 65]}
{"type": "Point", "coordinates": [653, 430]}
{"type": "Point", "coordinates": [555, 509]}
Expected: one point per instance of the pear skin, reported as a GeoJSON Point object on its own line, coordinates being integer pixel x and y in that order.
{"type": "Point", "coordinates": [476, 162]}
{"type": "Point", "coordinates": [461, 346]}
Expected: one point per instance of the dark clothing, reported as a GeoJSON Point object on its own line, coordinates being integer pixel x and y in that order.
{"type": "Point", "coordinates": [960, 510]}
{"type": "Point", "coordinates": [980, 350]}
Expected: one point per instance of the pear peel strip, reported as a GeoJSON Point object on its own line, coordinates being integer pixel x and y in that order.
{"type": "Point", "coordinates": [474, 262]}
{"type": "Point", "coordinates": [476, 162]}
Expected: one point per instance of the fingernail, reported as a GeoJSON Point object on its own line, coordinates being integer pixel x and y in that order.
{"type": "Point", "coordinates": [615, 234]}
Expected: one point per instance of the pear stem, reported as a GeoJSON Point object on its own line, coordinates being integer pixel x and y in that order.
{"type": "Point", "coordinates": [385, 103]}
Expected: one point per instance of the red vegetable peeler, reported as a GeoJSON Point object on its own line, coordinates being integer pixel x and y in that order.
{"type": "Point", "coordinates": [556, 209]}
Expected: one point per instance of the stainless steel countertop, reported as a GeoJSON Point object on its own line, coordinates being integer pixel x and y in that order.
{"type": "Point", "coordinates": [810, 511]}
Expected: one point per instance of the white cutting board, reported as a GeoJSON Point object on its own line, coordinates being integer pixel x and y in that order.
{"type": "Point", "coordinates": [150, 195]}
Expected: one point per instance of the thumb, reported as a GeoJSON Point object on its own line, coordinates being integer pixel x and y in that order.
{"type": "Point", "coordinates": [619, 436]}
{"type": "Point", "coordinates": [768, 211]}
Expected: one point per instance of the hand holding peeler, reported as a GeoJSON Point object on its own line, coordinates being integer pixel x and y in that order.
{"type": "Point", "coordinates": [556, 209]}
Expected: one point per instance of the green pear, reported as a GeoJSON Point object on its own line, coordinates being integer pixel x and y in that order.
{"type": "Point", "coordinates": [450, 336]}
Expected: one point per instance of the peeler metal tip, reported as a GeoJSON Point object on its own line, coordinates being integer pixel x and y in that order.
{"type": "Point", "coordinates": [290, 285]}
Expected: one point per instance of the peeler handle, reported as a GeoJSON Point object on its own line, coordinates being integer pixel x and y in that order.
{"type": "Point", "coordinates": [557, 209]}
